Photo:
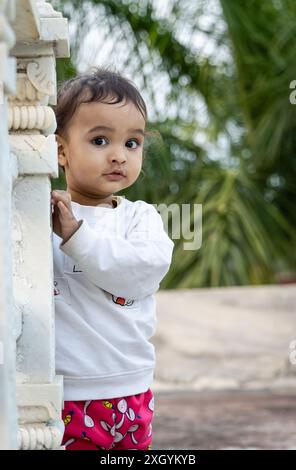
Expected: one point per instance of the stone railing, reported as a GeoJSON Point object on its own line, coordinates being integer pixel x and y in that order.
{"type": "Point", "coordinates": [32, 35]}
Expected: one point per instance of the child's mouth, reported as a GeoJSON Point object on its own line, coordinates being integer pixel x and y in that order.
{"type": "Point", "coordinates": [114, 176]}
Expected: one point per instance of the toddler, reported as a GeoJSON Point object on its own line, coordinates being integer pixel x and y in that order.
{"type": "Point", "coordinates": [110, 255]}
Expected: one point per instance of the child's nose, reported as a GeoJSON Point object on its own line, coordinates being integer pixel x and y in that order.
{"type": "Point", "coordinates": [119, 157]}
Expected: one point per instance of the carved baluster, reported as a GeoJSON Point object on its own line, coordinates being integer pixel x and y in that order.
{"type": "Point", "coordinates": [41, 35]}
{"type": "Point", "coordinates": [8, 415]}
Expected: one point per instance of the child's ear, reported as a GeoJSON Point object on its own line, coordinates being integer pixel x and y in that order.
{"type": "Point", "coordinates": [62, 150]}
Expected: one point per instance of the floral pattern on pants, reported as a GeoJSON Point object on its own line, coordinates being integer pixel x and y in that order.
{"type": "Point", "coordinates": [111, 424]}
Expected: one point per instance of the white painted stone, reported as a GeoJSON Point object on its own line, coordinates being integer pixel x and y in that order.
{"type": "Point", "coordinates": [8, 414]}
{"type": "Point", "coordinates": [56, 29]}
{"type": "Point", "coordinates": [29, 43]}
{"type": "Point", "coordinates": [36, 154]}
{"type": "Point", "coordinates": [45, 9]}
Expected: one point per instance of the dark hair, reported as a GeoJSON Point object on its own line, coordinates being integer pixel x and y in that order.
{"type": "Point", "coordinates": [97, 85]}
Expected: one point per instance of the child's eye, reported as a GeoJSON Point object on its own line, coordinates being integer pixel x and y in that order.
{"type": "Point", "coordinates": [97, 140]}
{"type": "Point", "coordinates": [134, 140]}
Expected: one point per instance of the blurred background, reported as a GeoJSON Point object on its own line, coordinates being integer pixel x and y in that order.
{"type": "Point", "coordinates": [216, 78]}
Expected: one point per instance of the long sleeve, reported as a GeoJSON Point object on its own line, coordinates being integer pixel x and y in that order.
{"type": "Point", "coordinates": [130, 267]}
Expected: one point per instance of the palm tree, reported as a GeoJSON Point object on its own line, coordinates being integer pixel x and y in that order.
{"type": "Point", "coordinates": [230, 143]}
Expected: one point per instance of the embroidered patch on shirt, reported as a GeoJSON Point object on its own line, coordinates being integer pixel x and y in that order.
{"type": "Point", "coordinates": [123, 302]}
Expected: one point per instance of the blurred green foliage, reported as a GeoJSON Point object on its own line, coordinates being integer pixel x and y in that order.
{"type": "Point", "coordinates": [248, 190]}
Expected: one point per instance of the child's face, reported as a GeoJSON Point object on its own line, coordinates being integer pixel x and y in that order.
{"type": "Point", "coordinates": [88, 154]}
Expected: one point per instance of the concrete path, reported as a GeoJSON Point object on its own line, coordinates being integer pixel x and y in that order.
{"type": "Point", "coordinates": [226, 338]}
{"type": "Point", "coordinates": [224, 420]}
{"type": "Point", "coordinates": [224, 379]}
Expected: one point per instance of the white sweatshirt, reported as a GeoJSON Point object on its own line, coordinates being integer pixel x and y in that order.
{"type": "Point", "coordinates": [105, 279]}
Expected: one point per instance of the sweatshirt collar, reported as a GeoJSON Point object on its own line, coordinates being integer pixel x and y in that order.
{"type": "Point", "coordinates": [118, 200]}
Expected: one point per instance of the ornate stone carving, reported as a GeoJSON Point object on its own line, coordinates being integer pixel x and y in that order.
{"type": "Point", "coordinates": [35, 85]}
{"type": "Point", "coordinates": [35, 81]}
{"type": "Point", "coordinates": [40, 436]}
{"type": "Point", "coordinates": [8, 427]}
{"type": "Point", "coordinates": [41, 74]}
{"type": "Point", "coordinates": [36, 36]}
{"type": "Point", "coordinates": [41, 118]}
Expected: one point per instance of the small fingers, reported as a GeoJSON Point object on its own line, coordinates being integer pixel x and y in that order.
{"type": "Point", "coordinates": [61, 205]}
{"type": "Point", "coordinates": [64, 211]}
{"type": "Point", "coordinates": [57, 196]}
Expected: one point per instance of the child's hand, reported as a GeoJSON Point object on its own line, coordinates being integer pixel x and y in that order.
{"type": "Point", "coordinates": [64, 223]}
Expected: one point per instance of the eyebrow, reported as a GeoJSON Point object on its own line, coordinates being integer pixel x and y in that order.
{"type": "Point", "coordinates": [106, 128]}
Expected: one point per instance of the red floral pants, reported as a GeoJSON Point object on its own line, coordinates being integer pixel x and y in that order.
{"type": "Point", "coordinates": [112, 424]}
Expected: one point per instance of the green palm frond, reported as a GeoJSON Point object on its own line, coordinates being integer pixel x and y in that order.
{"type": "Point", "coordinates": [249, 198]}
{"type": "Point", "coordinates": [243, 235]}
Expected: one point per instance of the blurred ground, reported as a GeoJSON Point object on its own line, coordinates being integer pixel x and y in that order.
{"type": "Point", "coordinates": [223, 376]}
{"type": "Point", "coordinates": [224, 420]}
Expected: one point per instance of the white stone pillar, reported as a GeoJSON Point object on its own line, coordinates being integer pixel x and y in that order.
{"type": "Point", "coordinates": [41, 35]}
{"type": "Point", "coordinates": [8, 415]}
